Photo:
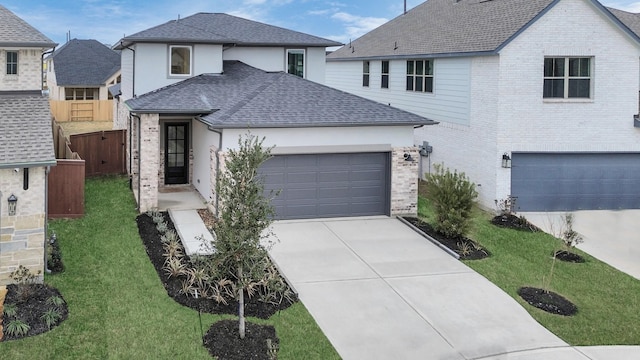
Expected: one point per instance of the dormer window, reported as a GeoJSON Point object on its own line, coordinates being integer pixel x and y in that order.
{"type": "Point", "coordinates": [295, 62]}
{"type": "Point", "coordinates": [12, 63]}
{"type": "Point", "coordinates": [180, 58]}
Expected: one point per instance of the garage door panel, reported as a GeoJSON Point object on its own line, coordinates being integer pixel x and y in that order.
{"type": "Point", "coordinates": [329, 185]}
{"type": "Point", "coordinates": [575, 181]}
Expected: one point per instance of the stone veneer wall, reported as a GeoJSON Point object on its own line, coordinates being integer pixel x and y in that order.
{"type": "Point", "coordinates": [404, 181]}
{"type": "Point", "coordinates": [22, 236]}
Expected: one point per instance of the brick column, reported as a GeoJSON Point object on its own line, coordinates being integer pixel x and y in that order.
{"type": "Point", "coordinates": [404, 181]}
{"type": "Point", "coordinates": [150, 160]}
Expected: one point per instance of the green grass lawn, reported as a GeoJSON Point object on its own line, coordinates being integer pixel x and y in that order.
{"type": "Point", "coordinates": [118, 308]}
{"type": "Point", "coordinates": [608, 300]}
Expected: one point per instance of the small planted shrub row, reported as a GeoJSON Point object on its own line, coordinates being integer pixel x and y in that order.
{"type": "Point", "coordinates": [30, 308]}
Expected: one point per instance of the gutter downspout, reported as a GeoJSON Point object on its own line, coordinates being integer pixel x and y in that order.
{"type": "Point", "coordinates": [138, 135]}
{"type": "Point", "coordinates": [42, 65]}
{"type": "Point", "coordinates": [219, 132]}
{"type": "Point", "coordinates": [133, 81]}
{"type": "Point", "coordinates": [46, 218]}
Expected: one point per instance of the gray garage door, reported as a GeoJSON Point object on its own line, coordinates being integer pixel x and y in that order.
{"type": "Point", "coordinates": [575, 181]}
{"type": "Point", "coordinates": [329, 185]}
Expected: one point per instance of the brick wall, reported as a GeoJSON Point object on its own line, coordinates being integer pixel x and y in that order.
{"type": "Point", "coordinates": [404, 181]}
{"type": "Point", "coordinates": [22, 236]}
{"type": "Point", "coordinates": [29, 71]}
{"type": "Point", "coordinates": [150, 158]}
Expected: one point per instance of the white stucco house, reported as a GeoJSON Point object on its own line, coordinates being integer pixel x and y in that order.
{"type": "Point", "coordinates": [26, 147]}
{"type": "Point", "coordinates": [549, 86]}
{"type": "Point", "coordinates": [191, 87]}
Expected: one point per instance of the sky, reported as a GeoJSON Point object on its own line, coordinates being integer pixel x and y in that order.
{"type": "Point", "coordinates": [109, 20]}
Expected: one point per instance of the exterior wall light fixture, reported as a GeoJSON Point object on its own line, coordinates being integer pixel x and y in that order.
{"type": "Point", "coordinates": [13, 202]}
{"type": "Point", "coordinates": [506, 161]}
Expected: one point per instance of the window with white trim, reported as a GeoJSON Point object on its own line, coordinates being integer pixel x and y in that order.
{"type": "Point", "coordinates": [180, 60]}
{"type": "Point", "coordinates": [420, 75]}
{"type": "Point", "coordinates": [384, 80]}
{"type": "Point", "coordinates": [12, 62]}
{"type": "Point", "coordinates": [295, 62]}
{"type": "Point", "coordinates": [365, 73]}
{"type": "Point", "coordinates": [567, 78]}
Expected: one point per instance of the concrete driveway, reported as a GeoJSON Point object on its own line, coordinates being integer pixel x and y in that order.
{"type": "Point", "coordinates": [380, 291]}
{"type": "Point", "coordinates": [612, 236]}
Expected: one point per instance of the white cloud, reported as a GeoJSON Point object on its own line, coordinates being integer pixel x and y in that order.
{"type": "Point", "coordinates": [357, 26]}
{"type": "Point", "coordinates": [633, 7]}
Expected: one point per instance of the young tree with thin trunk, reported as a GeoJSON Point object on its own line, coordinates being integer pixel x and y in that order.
{"type": "Point", "coordinates": [245, 214]}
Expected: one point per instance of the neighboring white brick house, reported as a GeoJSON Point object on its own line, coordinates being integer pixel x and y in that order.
{"type": "Point", "coordinates": [567, 152]}
{"type": "Point", "coordinates": [187, 99]}
{"type": "Point", "coordinates": [26, 146]}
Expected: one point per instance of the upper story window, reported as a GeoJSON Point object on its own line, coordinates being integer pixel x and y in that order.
{"type": "Point", "coordinates": [12, 63]}
{"type": "Point", "coordinates": [384, 81]}
{"type": "Point", "coordinates": [80, 93]}
{"type": "Point", "coordinates": [180, 57]}
{"type": "Point", "coordinates": [365, 73]}
{"type": "Point", "coordinates": [295, 62]}
{"type": "Point", "coordinates": [567, 77]}
{"type": "Point", "coordinates": [420, 75]}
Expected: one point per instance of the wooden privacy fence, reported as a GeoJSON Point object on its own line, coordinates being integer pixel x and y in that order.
{"type": "Point", "coordinates": [82, 110]}
{"type": "Point", "coordinates": [65, 189]}
{"type": "Point", "coordinates": [103, 151]}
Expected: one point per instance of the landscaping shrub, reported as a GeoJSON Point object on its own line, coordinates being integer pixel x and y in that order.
{"type": "Point", "coordinates": [54, 255]}
{"type": "Point", "coordinates": [452, 196]}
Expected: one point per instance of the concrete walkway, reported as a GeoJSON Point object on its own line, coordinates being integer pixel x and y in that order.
{"type": "Point", "coordinates": [192, 232]}
{"type": "Point", "coordinates": [380, 291]}
{"type": "Point", "coordinates": [612, 236]}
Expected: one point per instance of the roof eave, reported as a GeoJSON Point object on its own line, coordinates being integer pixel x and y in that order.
{"type": "Point", "coordinates": [417, 55]}
{"type": "Point", "coordinates": [313, 125]}
{"type": "Point", "coordinates": [44, 45]}
{"type": "Point", "coordinates": [190, 112]}
{"type": "Point", "coordinates": [28, 164]}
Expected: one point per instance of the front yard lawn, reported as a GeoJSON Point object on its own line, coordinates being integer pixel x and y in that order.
{"type": "Point", "coordinates": [118, 308]}
{"type": "Point", "coordinates": [608, 300]}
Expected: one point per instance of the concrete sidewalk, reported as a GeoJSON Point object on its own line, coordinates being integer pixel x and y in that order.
{"type": "Point", "coordinates": [378, 290]}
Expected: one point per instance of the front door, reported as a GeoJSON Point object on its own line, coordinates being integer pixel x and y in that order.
{"type": "Point", "coordinates": [176, 153]}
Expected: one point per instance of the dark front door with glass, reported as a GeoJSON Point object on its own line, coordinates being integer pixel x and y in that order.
{"type": "Point", "coordinates": [176, 150]}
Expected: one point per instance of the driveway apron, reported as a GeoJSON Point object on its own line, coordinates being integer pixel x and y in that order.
{"type": "Point", "coordinates": [378, 290]}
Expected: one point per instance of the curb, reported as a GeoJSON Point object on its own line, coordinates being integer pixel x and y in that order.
{"type": "Point", "coordinates": [434, 241]}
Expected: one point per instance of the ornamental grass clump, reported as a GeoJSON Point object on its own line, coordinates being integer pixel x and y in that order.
{"type": "Point", "coordinates": [453, 197]}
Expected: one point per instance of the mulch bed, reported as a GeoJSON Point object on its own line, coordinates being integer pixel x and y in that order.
{"type": "Point", "coordinates": [465, 247]}
{"type": "Point", "coordinates": [568, 256]}
{"type": "Point", "coordinates": [548, 301]}
{"type": "Point", "coordinates": [222, 340]}
{"type": "Point", "coordinates": [31, 310]}
{"type": "Point", "coordinates": [153, 244]}
{"type": "Point", "coordinates": [512, 221]}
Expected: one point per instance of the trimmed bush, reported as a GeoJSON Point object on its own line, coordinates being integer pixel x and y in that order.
{"type": "Point", "coordinates": [453, 197]}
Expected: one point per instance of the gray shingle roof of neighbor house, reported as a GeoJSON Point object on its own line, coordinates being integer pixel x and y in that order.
{"type": "Point", "coordinates": [451, 28]}
{"type": "Point", "coordinates": [217, 28]}
{"type": "Point", "coordinates": [26, 138]}
{"type": "Point", "coordinates": [84, 63]}
{"type": "Point", "coordinates": [244, 96]}
{"type": "Point", "coordinates": [16, 32]}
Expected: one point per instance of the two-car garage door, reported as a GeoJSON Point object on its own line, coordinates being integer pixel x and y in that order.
{"type": "Point", "coordinates": [575, 181]}
{"type": "Point", "coordinates": [328, 185]}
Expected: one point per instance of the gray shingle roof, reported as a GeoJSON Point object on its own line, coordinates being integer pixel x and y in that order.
{"type": "Point", "coordinates": [25, 130]}
{"type": "Point", "coordinates": [448, 27]}
{"type": "Point", "coordinates": [216, 28]}
{"type": "Point", "coordinates": [631, 20]}
{"type": "Point", "coordinates": [16, 32]}
{"type": "Point", "coordinates": [84, 63]}
{"type": "Point", "coordinates": [244, 96]}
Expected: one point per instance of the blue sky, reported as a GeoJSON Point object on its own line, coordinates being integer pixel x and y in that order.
{"type": "Point", "coordinates": [109, 20]}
